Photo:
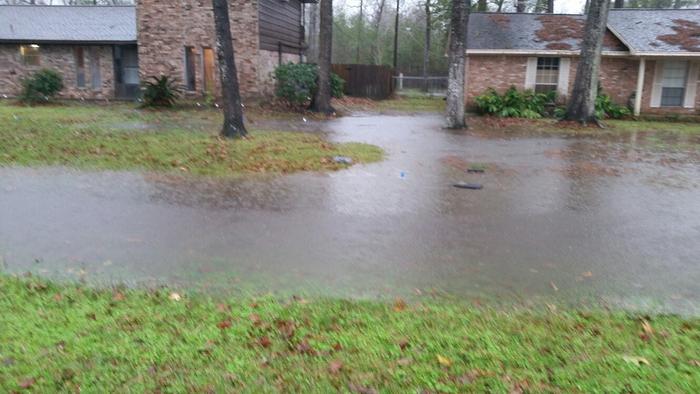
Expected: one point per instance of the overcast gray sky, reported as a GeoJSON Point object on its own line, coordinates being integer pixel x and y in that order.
{"type": "Point", "coordinates": [560, 6]}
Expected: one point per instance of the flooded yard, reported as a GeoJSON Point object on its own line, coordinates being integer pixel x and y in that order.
{"type": "Point", "coordinates": [572, 219]}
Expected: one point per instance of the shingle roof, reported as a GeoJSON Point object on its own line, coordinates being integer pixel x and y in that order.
{"type": "Point", "coordinates": [643, 30]}
{"type": "Point", "coordinates": [658, 30]}
{"type": "Point", "coordinates": [103, 24]}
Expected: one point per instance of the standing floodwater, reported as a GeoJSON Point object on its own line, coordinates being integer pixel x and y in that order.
{"type": "Point", "coordinates": [569, 219]}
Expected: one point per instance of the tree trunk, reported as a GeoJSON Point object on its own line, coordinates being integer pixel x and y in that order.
{"type": "Point", "coordinates": [322, 99]}
{"type": "Point", "coordinates": [581, 106]}
{"type": "Point", "coordinates": [500, 5]}
{"type": "Point", "coordinates": [360, 31]}
{"type": "Point", "coordinates": [396, 37]}
{"type": "Point", "coordinates": [520, 6]}
{"type": "Point", "coordinates": [233, 110]}
{"type": "Point", "coordinates": [426, 49]}
{"type": "Point", "coordinates": [550, 6]}
{"type": "Point", "coordinates": [455, 84]}
{"type": "Point", "coordinates": [619, 3]}
{"type": "Point", "coordinates": [482, 6]}
{"type": "Point", "coordinates": [376, 51]}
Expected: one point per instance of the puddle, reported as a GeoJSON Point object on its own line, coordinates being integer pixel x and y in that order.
{"type": "Point", "coordinates": [567, 219]}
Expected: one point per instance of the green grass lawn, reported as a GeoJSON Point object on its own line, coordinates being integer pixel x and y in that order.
{"type": "Point", "coordinates": [121, 137]}
{"type": "Point", "coordinates": [70, 338]}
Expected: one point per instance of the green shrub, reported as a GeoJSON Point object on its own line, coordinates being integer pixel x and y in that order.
{"type": "Point", "coordinates": [515, 104]}
{"type": "Point", "coordinates": [160, 92]}
{"type": "Point", "coordinates": [41, 87]}
{"type": "Point", "coordinates": [606, 108]}
{"type": "Point", "coordinates": [297, 83]}
{"type": "Point", "coordinates": [337, 86]}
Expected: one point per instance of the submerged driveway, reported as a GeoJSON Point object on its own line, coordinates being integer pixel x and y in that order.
{"type": "Point", "coordinates": [560, 219]}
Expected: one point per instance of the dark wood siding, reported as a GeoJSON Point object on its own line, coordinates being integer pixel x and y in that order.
{"type": "Point", "coordinates": [280, 22]}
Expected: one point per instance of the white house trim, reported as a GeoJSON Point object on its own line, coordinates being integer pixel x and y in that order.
{"type": "Point", "coordinates": [656, 87]}
{"type": "Point", "coordinates": [536, 52]}
{"type": "Point", "coordinates": [691, 85]}
{"type": "Point", "coordinates": [640, 87]}
{"type": "Point", "coordinates": [563, 82]}
{"type": "Point", "coordinates": [531, 73]}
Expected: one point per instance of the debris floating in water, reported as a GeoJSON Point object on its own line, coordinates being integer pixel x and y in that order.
{"type": "Point", "coordinates": [342, 160]}
{"type": "Point", "coordinates": [470, 186]}
{"type": "Point", "coordinates": [476, 170]}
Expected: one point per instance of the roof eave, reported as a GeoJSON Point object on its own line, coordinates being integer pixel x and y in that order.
{"type": "Point", "coordinates": [67, 42]}
{"type": "Point", "coordinates": [619, 36]}
{"type": "Point", "coordinates": [540, 52]}
{"type": "Point", "coordinates": [667, 54]}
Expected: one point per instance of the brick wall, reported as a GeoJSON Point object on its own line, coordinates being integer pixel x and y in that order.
{"type": "Point", "coordinates": [167, 27]}
{"type": "Point", "coordinates": [62, 59]}
{"type": "Point", "coordinates": [618, 77]}
{"type": "Point", "coordinates": [498, 72]}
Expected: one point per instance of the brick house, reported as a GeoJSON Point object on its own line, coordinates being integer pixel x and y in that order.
{"type": "Point", "coordinates": [651, 58]}
{"type": "Point", "coordinates": [104, 52]}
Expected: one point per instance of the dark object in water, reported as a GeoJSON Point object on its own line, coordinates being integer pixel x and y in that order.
{"type": "Point", "coordinates": [476, 170]}
{"type": "Point", "coordinates": [470, 186]}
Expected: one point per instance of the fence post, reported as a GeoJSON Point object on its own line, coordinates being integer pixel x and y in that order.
{"type": "Point", "coordinates": [400, 81]}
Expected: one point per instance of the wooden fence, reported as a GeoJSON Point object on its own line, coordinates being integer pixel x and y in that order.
{"type": "Point", "coordinates": [363, 80]}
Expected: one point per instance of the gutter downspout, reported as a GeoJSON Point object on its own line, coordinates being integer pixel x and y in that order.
{"type": "Point", "coordinates": [640, 87]}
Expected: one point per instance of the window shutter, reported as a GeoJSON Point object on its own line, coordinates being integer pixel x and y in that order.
{"type": "Point", "coordinates": [563, 83]}
{"type": "Point", "coordinates": [692, 85]}
{"type": "Point", "coordinates": [656, 88]}
{"type": "Point", "coordinates": [531, 73]}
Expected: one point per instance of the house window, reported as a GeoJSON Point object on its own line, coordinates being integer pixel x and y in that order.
{"type": "Point", "coordinates": [547, 76]}
{"type": "Point", "coordinates": [30, 54]}
{"type": "Point", "coordinates": [79, 53]}
{"type": "Point", "coordinates": [190, 70]}
{"type": "Point", "coordinates": [209, 64]}
{"type": "Point", "coordinates": [95, 74]}
{"type": "Point", "coordinates": [673, 83]}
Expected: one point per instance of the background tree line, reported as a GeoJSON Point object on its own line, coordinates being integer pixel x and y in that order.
{"type": "Point", "coordinates": [366, 35]}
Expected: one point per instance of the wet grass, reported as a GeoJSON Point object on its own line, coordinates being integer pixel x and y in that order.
{"type": "Point", "coordinates": [400, 104]}
{"type": "Point", "coordinates": [72, 338]}
{"type": "Point", "coordinates": [121, 137]}
{"type": "Point", "coordinates": [656, 126]}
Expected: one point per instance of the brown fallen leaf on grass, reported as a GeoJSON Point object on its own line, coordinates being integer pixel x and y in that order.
{"type": "Point", "coordinates": [335, 366]}
{"type": "Point", "coordinates": [444, 361]}
{"type": "Point", "coordinates": [287, 328]}
{"type": "Point", "coordinates": [554, 287]}
{"type": "Point", "coordinates": [355, 388]}
{"type": "Point", "coordinates": [647, 332]}
{"type": "Point", "coordinates": [255, 319]}
{"type": "Point", "coordinates": [27, 383]}
{"type": "Point", "coordinates": [118, 296]}
{"type": "Point", "coordinates": [223, 325]}
{"type": "Point", "coordinates": [337, 347]}
{"type": "Point", "coordinates": [695, 363]}
{"type": "Point", "coordinates": [399, 305]}
{"type": "Point", "coordinates": [404, 362]}
{"type": "Point", "coordinates": [265, 342]}
{"type": "Point", "coordinates": [58, 297]}
{"type": "Point", "coordinates": [305, 348]}
{"type": "Point", "coordinates": [403, 344]}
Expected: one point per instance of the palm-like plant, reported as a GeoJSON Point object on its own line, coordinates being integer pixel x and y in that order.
{"type": "Point", "coordinates": [160, 91]}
